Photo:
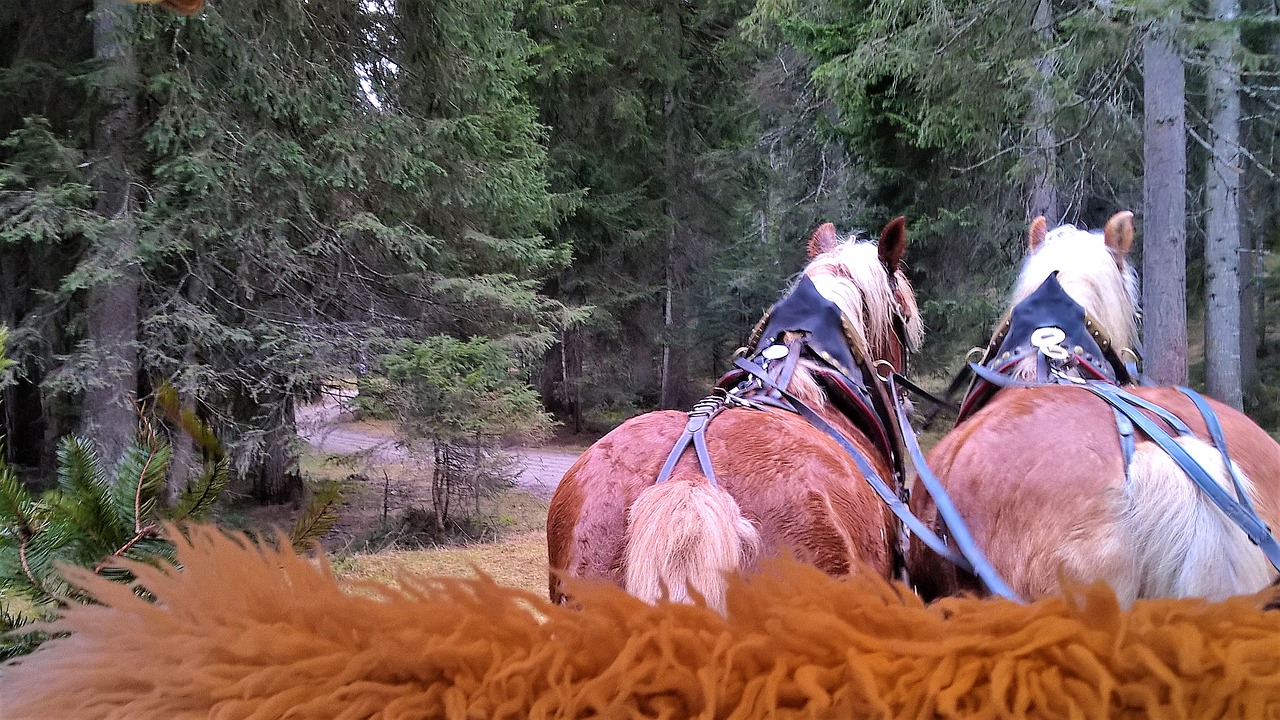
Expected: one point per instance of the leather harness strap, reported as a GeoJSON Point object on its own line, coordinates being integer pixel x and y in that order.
{"type": "Point", "coordinates": [1134, 409]}
{"type": "Point", "coordinates": [695, 431]}
{"type": "Point", "coordinates": [1220, 441]}
{"type": "Point", "coordinates": [880, 406]}
{"type": "Point", "coordinates": [977, 560]}
{"type": "Point", "coordinates": [882, 488]}
{"type": "Point", "coordinates": [1239, 509]}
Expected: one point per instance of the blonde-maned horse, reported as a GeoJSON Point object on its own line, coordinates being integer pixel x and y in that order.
{"type": "Point", "coordinates": [1039, 473]}
{"type": "Point", "coordinates": [779, 481]}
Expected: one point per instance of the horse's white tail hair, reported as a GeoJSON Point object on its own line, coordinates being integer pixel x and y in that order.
{"type": "Point", "coordinates": [1186, 546]}
{"type": "Point", "coordinates": [683, 535]}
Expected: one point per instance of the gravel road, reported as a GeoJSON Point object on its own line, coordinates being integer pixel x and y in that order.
{"type": "Point", "coordinates": [328, 426]}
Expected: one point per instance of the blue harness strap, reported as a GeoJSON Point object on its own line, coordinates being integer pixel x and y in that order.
{"type": "Point", "coordinates": [1130, 408]}
{"type": "Point", "coordinates": [1220, 441]}
{"type": "Point", "coordinates": [695, 431]}
{"type": "Point", "coordinates": [979, 565]}
{"type": "Point", "coordinates": [1240, 511]}
{"type": "Point", "coordinates": [887, 495]}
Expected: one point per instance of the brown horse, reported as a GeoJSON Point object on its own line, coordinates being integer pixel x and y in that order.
{"type": "Point", "coordinates": [779, 482]}
{"type": "Point", "coordinates": [1040, 475]}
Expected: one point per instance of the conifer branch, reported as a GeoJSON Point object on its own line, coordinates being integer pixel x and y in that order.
{"type": "Point", "coordinates": [26, 567]}
{"type": "Point", "coordinates": [142, 534]}
{"type": "Point", "coordinates": [137, 494]}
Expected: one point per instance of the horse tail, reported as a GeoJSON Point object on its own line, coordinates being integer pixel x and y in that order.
{"type": "Point", "coordinates": [685, 535]}
{"type": "Point", "coordinates": [1186, 546]}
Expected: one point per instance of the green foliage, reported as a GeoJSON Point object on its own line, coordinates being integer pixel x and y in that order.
{"type": "Point", "coordinates": [95, 516]}
{"type": "Point", "coordinates": [320, 515]}
{"type": "Point", "coordinates": [938, 102]}
{"type": "Point", "coordinates": [450, 390]}
{"type": "Point", "coordinates": [463, 397]}
{"type": "Point", "coordinates": [646, 112]}
{"type": "Point", "coordinates": [5, 362]}
{"type": "Point", "coordinates": [16, 641]}
{"type": "Point", "coordinates": [320, 180]}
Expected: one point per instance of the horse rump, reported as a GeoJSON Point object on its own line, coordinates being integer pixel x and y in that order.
{"type": "Point", "coordinates": [684, 537]}
{"type": "Point", "coordinates": [1186, 546]}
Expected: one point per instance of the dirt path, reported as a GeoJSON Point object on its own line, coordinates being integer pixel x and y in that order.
{"type": "Point", "coordinates": [329, 426]}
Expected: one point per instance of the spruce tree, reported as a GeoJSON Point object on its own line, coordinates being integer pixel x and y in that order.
{"type": "Point", "coordinates": [316, 180]}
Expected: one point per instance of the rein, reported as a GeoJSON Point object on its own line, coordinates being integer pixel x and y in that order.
{"type": "Point", "coordinates": [882, 488]}
{"type": "Point", "coordinates": [1132, 411]}
{"type": "Point", "coordinates": [977, 560]}
{"type": "Point", "coordinates": [770, 369]}
{"type": "Point", "coordinates": [969, 557]}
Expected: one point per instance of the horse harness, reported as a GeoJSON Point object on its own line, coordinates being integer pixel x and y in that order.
{"type": "Point", "coordinates": [1049, 321]}
{"type": "Point", "coordinates": [762, 374]}
{"type": "Point", "coordinates": [1044, 325]}
{"type": "Point", "coordinates": [869, 393]}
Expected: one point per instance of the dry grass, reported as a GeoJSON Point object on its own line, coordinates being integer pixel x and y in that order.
{"type": "Point", "coordinates": [519, 561]}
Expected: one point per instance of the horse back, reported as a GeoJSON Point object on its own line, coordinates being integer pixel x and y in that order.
{"type": "Point", "coordinates": [790, 480]}
{"type": "Point", "coordinates": [1040, 469]}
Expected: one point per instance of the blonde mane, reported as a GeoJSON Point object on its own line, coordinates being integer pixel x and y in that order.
{"type": "Point", "coordinates": [1089, 272]}
{"type": "Point", "coordinates": [852, 276]}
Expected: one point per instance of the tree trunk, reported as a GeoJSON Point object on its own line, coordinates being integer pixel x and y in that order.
{"type": "Point", "coordinates": [668, 326]}
{"type": "Point", "coordinates": [666, 398]}
{"type": "Point", "coordinates": [278, 479]}
{"type": "Point", "coordinates": [1042, 196]}
{"type": "Point", "coordinates": [1249, 276]}
{"type": "Point", "coordinates": [1164, 243]}
{"type": "Point", "coordinates": [112, 305]}
{"type": "Point", "coordinates": [1222, 247]}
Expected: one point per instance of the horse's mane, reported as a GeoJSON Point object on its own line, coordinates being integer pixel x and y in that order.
{"type": "Point", "coordinates": [1089, 272]}
{"type": "Point", "coordinates": [852, 276]}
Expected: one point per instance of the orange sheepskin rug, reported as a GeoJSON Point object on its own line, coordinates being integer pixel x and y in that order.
{"type": "Point", "coordinates": [249, 632]}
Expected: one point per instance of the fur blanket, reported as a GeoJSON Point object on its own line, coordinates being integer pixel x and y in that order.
{"type": "Point", "coordinates": [244, 632]}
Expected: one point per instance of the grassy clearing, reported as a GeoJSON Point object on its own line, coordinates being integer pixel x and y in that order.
{"type": "Point", "coordinates": [518, 561]}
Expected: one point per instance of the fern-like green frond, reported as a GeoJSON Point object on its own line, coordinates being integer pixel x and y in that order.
{"type": "Point", "coordinates": [14, 639]}
{"type": "Point", "coordinates": [140, 478]}
{"type": "Point", "coordinates": [18, 510]}
{"type": "Point", "coordinates": [318, 518]}
{"type": "Point", "coordinates": [80, 468]}
{"type": "Point", "coordinates": [79, 512]}
{"type": "Point", "coordinates": [196, 502]}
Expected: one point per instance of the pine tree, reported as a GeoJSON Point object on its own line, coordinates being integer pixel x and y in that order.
{"type": "Point", "coordinates": [316, 180]}
{"type": "Point", "coordinates": [646, 115]}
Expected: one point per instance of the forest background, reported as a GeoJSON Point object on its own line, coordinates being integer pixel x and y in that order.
{"type": "Point", "coordinates": [500, 213]}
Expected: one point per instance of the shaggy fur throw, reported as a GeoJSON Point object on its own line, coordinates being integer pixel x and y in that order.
{"type": "Point", "coordinates": [244, 632]}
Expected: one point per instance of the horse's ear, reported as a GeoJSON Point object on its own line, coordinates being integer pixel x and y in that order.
{"type": "Point", "coordinates": [1119, 234]}
{"type": "Point", "coordinates": [893, 243]}
{"type": "Point", "coordinates": [824, 239]}
{"type": "Point", "coordinates": [1035, 236]}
